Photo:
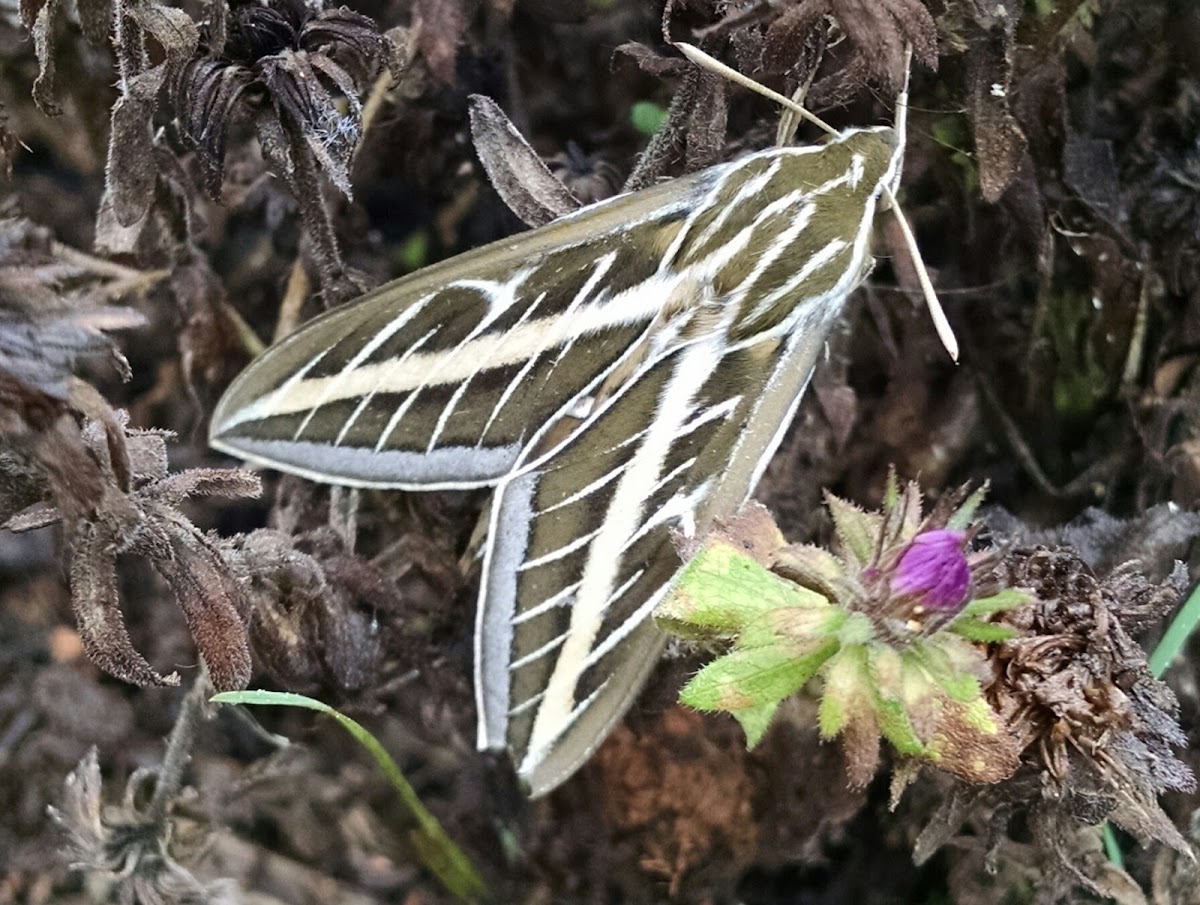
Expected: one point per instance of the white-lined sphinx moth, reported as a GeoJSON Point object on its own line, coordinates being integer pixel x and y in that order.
{"type": "Point", "coordinates": [624, 371]}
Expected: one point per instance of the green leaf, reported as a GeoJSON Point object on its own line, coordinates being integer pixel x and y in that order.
{"type": "Point", "coordinates": [755, 721]}
{"type": "Point", "coordinates": [847, 690]}
{"type": "Point", "coordinates": [721, 590]}
{"type": "Point", "coordinates": [795, 629]}
{"type": "Point", "coordinates": [981, 632]}
{"type": "Point", "coordinates": [1008, 599]}
{"type": "Point", "coordinates": [647, 117]}
{"type": "Point", "coordinates": [979, 716]}
{"type": "Point", "coordinates": [857, 530]}
{"type": "Point", "coordinates": [961, 519]}
{"type": "Point", "coordinates": [892, 718]}
{"type": "Point", "coordinates": [856, 629]}
{"type": "Point", "coordinates": [810, 566]}
{"type": "Point", "coordinates": [414, 251]}
{"type": "Point", "coordinates": [961, 688]}
{"type": "Point", "coordinates": [747, 678]}
{"type": "Point", "coordinates": [437, 851]}
{"type": "Point", "coordinates": [891, 490]}
{"type": "Point", "coordinates": [941, 662]}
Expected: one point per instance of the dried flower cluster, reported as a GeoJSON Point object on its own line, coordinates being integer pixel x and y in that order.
{"type": "Point", "coordinates": [136, 511]}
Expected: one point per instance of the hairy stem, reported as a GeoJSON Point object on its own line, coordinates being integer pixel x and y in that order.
{"type": "Point", "coordinates": [335, 285]}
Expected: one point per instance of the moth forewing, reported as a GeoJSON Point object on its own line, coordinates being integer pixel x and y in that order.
{"type": "Point", "coordinates": [618, 374]}
{"type": "Point", "coordinates": [323, 403]}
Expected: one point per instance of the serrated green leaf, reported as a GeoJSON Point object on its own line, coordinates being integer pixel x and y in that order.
{"type": "Point", "coordinates": [857, 530]}
{"type": "Point", "coordinates": [856, 628]}
{"type": "Point", "coordinates": [891, 490]}
{"type": "Point", "coordinates": [797, 629]}
{"type": "Point", "coordinates": [810, 566]}
{"type": "Point", "coordinates": [963, 688]}
{"type": "Point", "coordinates": [755, 721]}
{"type": "Point", "coordinates": [1008, 599]}
{"type": "Point", "coordinates": [905, 520]}
{"type": "Point", "coordinates": [961, 519]}
{"type": "Point", "coordinates": [937, 661]}
{"type": "Point", "coordinates": [981, 632]}
{"type": "Point", "coordinates": [721, 590]}
{"type": "Point", "coordinates": [892, 718]}
{"type": "Point", "coordinates": [831, 717]}
{"type": "Point", "coordinates": [847, 690]}
{"type": "Point", "coordinates": [750, 678]}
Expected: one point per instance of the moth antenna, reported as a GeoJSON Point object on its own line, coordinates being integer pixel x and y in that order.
{"type": "Point", "coordinates": [944, 331]}
{"type": "Point", "coordinates": [712, 64]}
{"type": "Point", "coordinates": [940, 323]}
{"type": "Point", "coordinates": [900, 122]}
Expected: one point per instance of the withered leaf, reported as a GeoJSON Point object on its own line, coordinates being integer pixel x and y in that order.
{"type": "Point", "coordinates": [130, 172]}
{"type": "Point", "coordinates": [42, 19]}
{"type": "Point", "coordinates": [95, 20]}
{"type": "Point", "coordinates": [696, 119]}
{"type": "Point", "coordinates": [174, 30]}
{"type": "Point", "coordinates": [516, 172]}
{"type": "Point", "coordinates": [795, 39]}
{"type": "Point", "coordinates": [651, 62]}
{"type": "Point", "coordinates": [98, 611]}
{"type": "Point", "coordinates": [751, 530]}
{"type": "Point", "coordinates": [999, 142]}
{"type": "Point", "coordinates": [213, 603]}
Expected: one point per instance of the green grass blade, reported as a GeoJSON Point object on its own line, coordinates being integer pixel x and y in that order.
{"type": "Point", "coordinates": [437, 850]}
{"type": "Point", "coordinates": [1177, 634]}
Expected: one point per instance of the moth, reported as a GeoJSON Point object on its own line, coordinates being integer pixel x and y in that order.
{"type": "Point", "coordinates": [622, 373]}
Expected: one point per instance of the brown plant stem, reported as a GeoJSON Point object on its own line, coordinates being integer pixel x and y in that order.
{"type": "Point", "coordinates": [336, 286]}
{"type": "Point", "coordinates": [179, 747]}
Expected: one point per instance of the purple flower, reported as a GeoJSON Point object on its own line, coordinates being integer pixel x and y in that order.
{"type": "Point", "coordinates": [934, 568]}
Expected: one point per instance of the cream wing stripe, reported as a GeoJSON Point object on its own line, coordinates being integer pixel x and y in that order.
{"type": "Point", "coordinates": [625, 515]}
{"type": "Point", "coordinates": [396, 376]}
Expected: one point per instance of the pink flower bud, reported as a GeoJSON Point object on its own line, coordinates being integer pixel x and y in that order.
{"type": "Point", "coordinates": [935, 570]}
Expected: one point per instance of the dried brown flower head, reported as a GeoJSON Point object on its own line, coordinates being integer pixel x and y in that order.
{"type": "Point", "coordinates": [284, 62]}
{"type": "Point", "coordinates": [1076, 689]}
{"type": "Point", "coordinates": [308, 631]}
{"type": "Point", "coordinates": [1095, 728]}
{"type": "Point", "coordinates": [127, 847]}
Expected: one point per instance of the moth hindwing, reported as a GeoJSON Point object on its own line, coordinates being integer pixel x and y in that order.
{"type": "Point", "coordinates": [619, 373]}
